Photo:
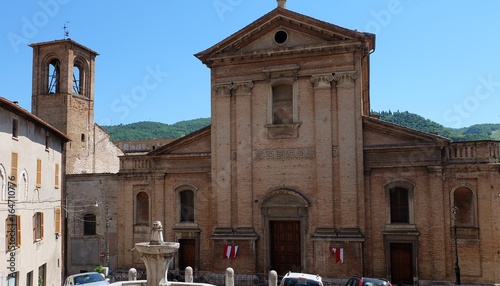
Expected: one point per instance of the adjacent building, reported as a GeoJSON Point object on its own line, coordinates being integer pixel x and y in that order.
{"type": "Point", "coordinates": [31, 185]}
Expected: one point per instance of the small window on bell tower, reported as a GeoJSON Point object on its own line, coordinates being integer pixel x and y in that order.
{"type": "Point", "coordinates": [53, 77]}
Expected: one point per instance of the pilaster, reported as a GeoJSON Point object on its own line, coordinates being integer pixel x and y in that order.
{"type": "Point", "coordinates": [242, 154]}
{"type": "Point", "coordinates": [347, 144]}
{"type": "Point", "coordinates": [322, 94]}
{"type": "Point", "coordinates": [221, 153]}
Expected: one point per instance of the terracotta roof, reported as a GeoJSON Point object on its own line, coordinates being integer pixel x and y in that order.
{"type": "Point", "coordinates": [63, 41]}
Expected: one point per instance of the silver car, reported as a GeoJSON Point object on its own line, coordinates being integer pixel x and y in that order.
{"type": "Point", "coordinates": [86, 279]}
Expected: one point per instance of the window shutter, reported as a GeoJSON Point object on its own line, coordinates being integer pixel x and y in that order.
{"type": "Point", "coordinates": [57, 220]}
{"type": "Point", "coordinates": [38, 173]}
{"type": "Point", "coordinates": [41, 225]}
{"type": "Point", "coordinates": [56, 183]}
{"type": "Point", "coordinates": [18, 229]}
{"type": "Point", "coordinates": [34, 227]}
{"type": "Point", "coordinates": [7, 232]}
{"type": "Point", "coordinates": [13, 166]}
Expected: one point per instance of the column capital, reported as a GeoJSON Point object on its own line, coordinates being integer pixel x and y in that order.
{"type": "Point", "coordinates": [243, 87]}
{"type": "Point", "coordinates": [320, 81]}
{"type": "Point", "coordinates": [223, 89]}
{"type": "Point", "coordinates": [347, 78]}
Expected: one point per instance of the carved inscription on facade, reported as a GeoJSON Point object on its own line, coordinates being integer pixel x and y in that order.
{"type": "Point", "coordinates": [284, 153]}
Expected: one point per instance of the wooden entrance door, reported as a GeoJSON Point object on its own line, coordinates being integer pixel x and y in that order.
{"type": "Point", "coordinates": [401, 263]}
{"type": "Point", "coordinates": [187, 253]}
{"type": "Point", "coordinates": [285, 246]}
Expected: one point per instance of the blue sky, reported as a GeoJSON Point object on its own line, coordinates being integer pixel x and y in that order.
{"type": "Point", "coordinates": [438, 59]}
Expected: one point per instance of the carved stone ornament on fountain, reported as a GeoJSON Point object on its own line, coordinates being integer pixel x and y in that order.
{"type": "Point", "coordinates": [157, 255]}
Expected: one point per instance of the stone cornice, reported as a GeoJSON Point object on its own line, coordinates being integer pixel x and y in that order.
{"type": "Point", "coordinates": [264, 55]}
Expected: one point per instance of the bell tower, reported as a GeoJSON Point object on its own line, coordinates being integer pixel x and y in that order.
{"type": "Point", "coordinates": [63, 95]}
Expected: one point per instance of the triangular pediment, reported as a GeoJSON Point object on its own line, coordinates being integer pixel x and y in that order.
{"type": "Point", "coordinates": [303, 35]}
{"type": "Point", "coordinates": [382, 134]}
{"type": "Point", "coordinates": [193, 144]}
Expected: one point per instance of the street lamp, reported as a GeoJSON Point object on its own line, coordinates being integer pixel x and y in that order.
{"type": "Point", "coordinates": [454, 212]}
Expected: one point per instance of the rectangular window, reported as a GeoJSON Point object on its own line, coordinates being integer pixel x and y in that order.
{"type": "Point", "coordinates": [41, 275]}
{"type": "Point", "coordinates": [13, 167]}
{"type": "Point", "coordinates": [15, 128]}
{"type": "Point", "coordinates": [57, 220]}
{"type": "Point", "coordinates": [38, 173]}
{"type": "Point", "coordinates": [187, 206]}
{"type": "Point", "coordinates": [12, 279]}
{"type": "Point", "coordinates": [38, 226]}
{"type": "Point", "coordinates": [29, 278]}
{"type": "Point", "coordinates": [56, 177]}
{"type": "Point", "coordinates": [400, 212]}
{"type": "Point", "coordinates": [12, 232]}
{"type": "Point", "coordinates": [89, 224]}
{"type": "Point", "coordinates": [283, 104]}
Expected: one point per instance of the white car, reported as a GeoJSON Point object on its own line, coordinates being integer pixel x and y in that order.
{"type": "Point", "coordinates": [301, 279]}
{"type": "Point", "coordinates": [86, 279]}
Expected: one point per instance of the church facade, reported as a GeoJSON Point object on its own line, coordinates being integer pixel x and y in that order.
{"type": "Point", "coordinates": [295, 174]}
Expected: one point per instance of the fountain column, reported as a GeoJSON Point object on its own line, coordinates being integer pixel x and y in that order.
{"type": "Point", "coordinates": [157, 255]}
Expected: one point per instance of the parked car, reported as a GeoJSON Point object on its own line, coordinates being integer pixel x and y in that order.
{"type": "Point", "coordinates": [301, 279]}
{"type": "Point", "coordinates": [367, 281]}
{"type": "Point", "coordinates": [86, 279]}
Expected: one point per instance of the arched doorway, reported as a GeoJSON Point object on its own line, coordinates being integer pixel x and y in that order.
{"type": "Point", "coordinates": [285, 216]}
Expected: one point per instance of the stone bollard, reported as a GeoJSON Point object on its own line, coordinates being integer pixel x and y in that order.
{"type": "Point", "coordinates": [188, 276]}
{"type": "Point", "coordinates": [229, 277]}
{"type": "Point", "coordinates": [273, 278]}
{"type": "Point", "coordinates": [132, 274]}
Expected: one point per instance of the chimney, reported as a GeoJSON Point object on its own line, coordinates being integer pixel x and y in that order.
{"type": "Point", "coordinates": [282, 3]}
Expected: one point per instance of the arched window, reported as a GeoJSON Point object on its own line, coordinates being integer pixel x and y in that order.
{"type": "Point", "coordinates": [142, 208]}
{"type": "Point", "coordinates": [282, 104]}
{"type": "Point", "coordinates": [3, 182]}
{"type": "Point", "coordinates": [187, 206]}
{"type": "Point", "coordinates": [77, 79]}
{"type": "Point", "coordinates": [53, 77]}
{"type": "Point", "coordinates": [89, 224]}
{"type": "Point", "coordinates": [23, 186]}
{"type": "Point", "coordinates": [463, 200]}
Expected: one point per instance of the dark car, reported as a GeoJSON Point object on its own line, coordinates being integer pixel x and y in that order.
{"type": "Point", "coordinates": [367, 281]}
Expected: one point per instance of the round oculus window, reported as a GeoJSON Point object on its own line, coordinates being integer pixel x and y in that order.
{"type": "Point", "coordinates": [280, 37]}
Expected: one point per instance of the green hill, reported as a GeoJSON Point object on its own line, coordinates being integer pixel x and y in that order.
{"type": "Point", "coordinates": [475, 132]}
{"type": "Point", "coordinates": [155, 130]}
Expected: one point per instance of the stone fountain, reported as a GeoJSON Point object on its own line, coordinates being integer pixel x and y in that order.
{"type": "Point", "coordinates": [157, 255]}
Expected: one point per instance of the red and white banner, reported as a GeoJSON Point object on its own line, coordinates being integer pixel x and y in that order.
{"type": "Point", "coordinates": [339, 254]}
{"type": "Point", "coordinates": [230, 251]}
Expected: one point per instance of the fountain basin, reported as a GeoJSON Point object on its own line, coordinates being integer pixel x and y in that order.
{"type": "Point", "coordinates": [162, 248]}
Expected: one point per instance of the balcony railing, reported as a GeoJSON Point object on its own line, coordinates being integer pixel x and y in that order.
{"type": "Point", "coordinates": [135, 163]}
{"type": "Point", "coordinates": [472, 152]}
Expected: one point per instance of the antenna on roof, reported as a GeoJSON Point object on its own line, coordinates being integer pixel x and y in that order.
{"type": "Point", "coordinates": [66, 31]}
